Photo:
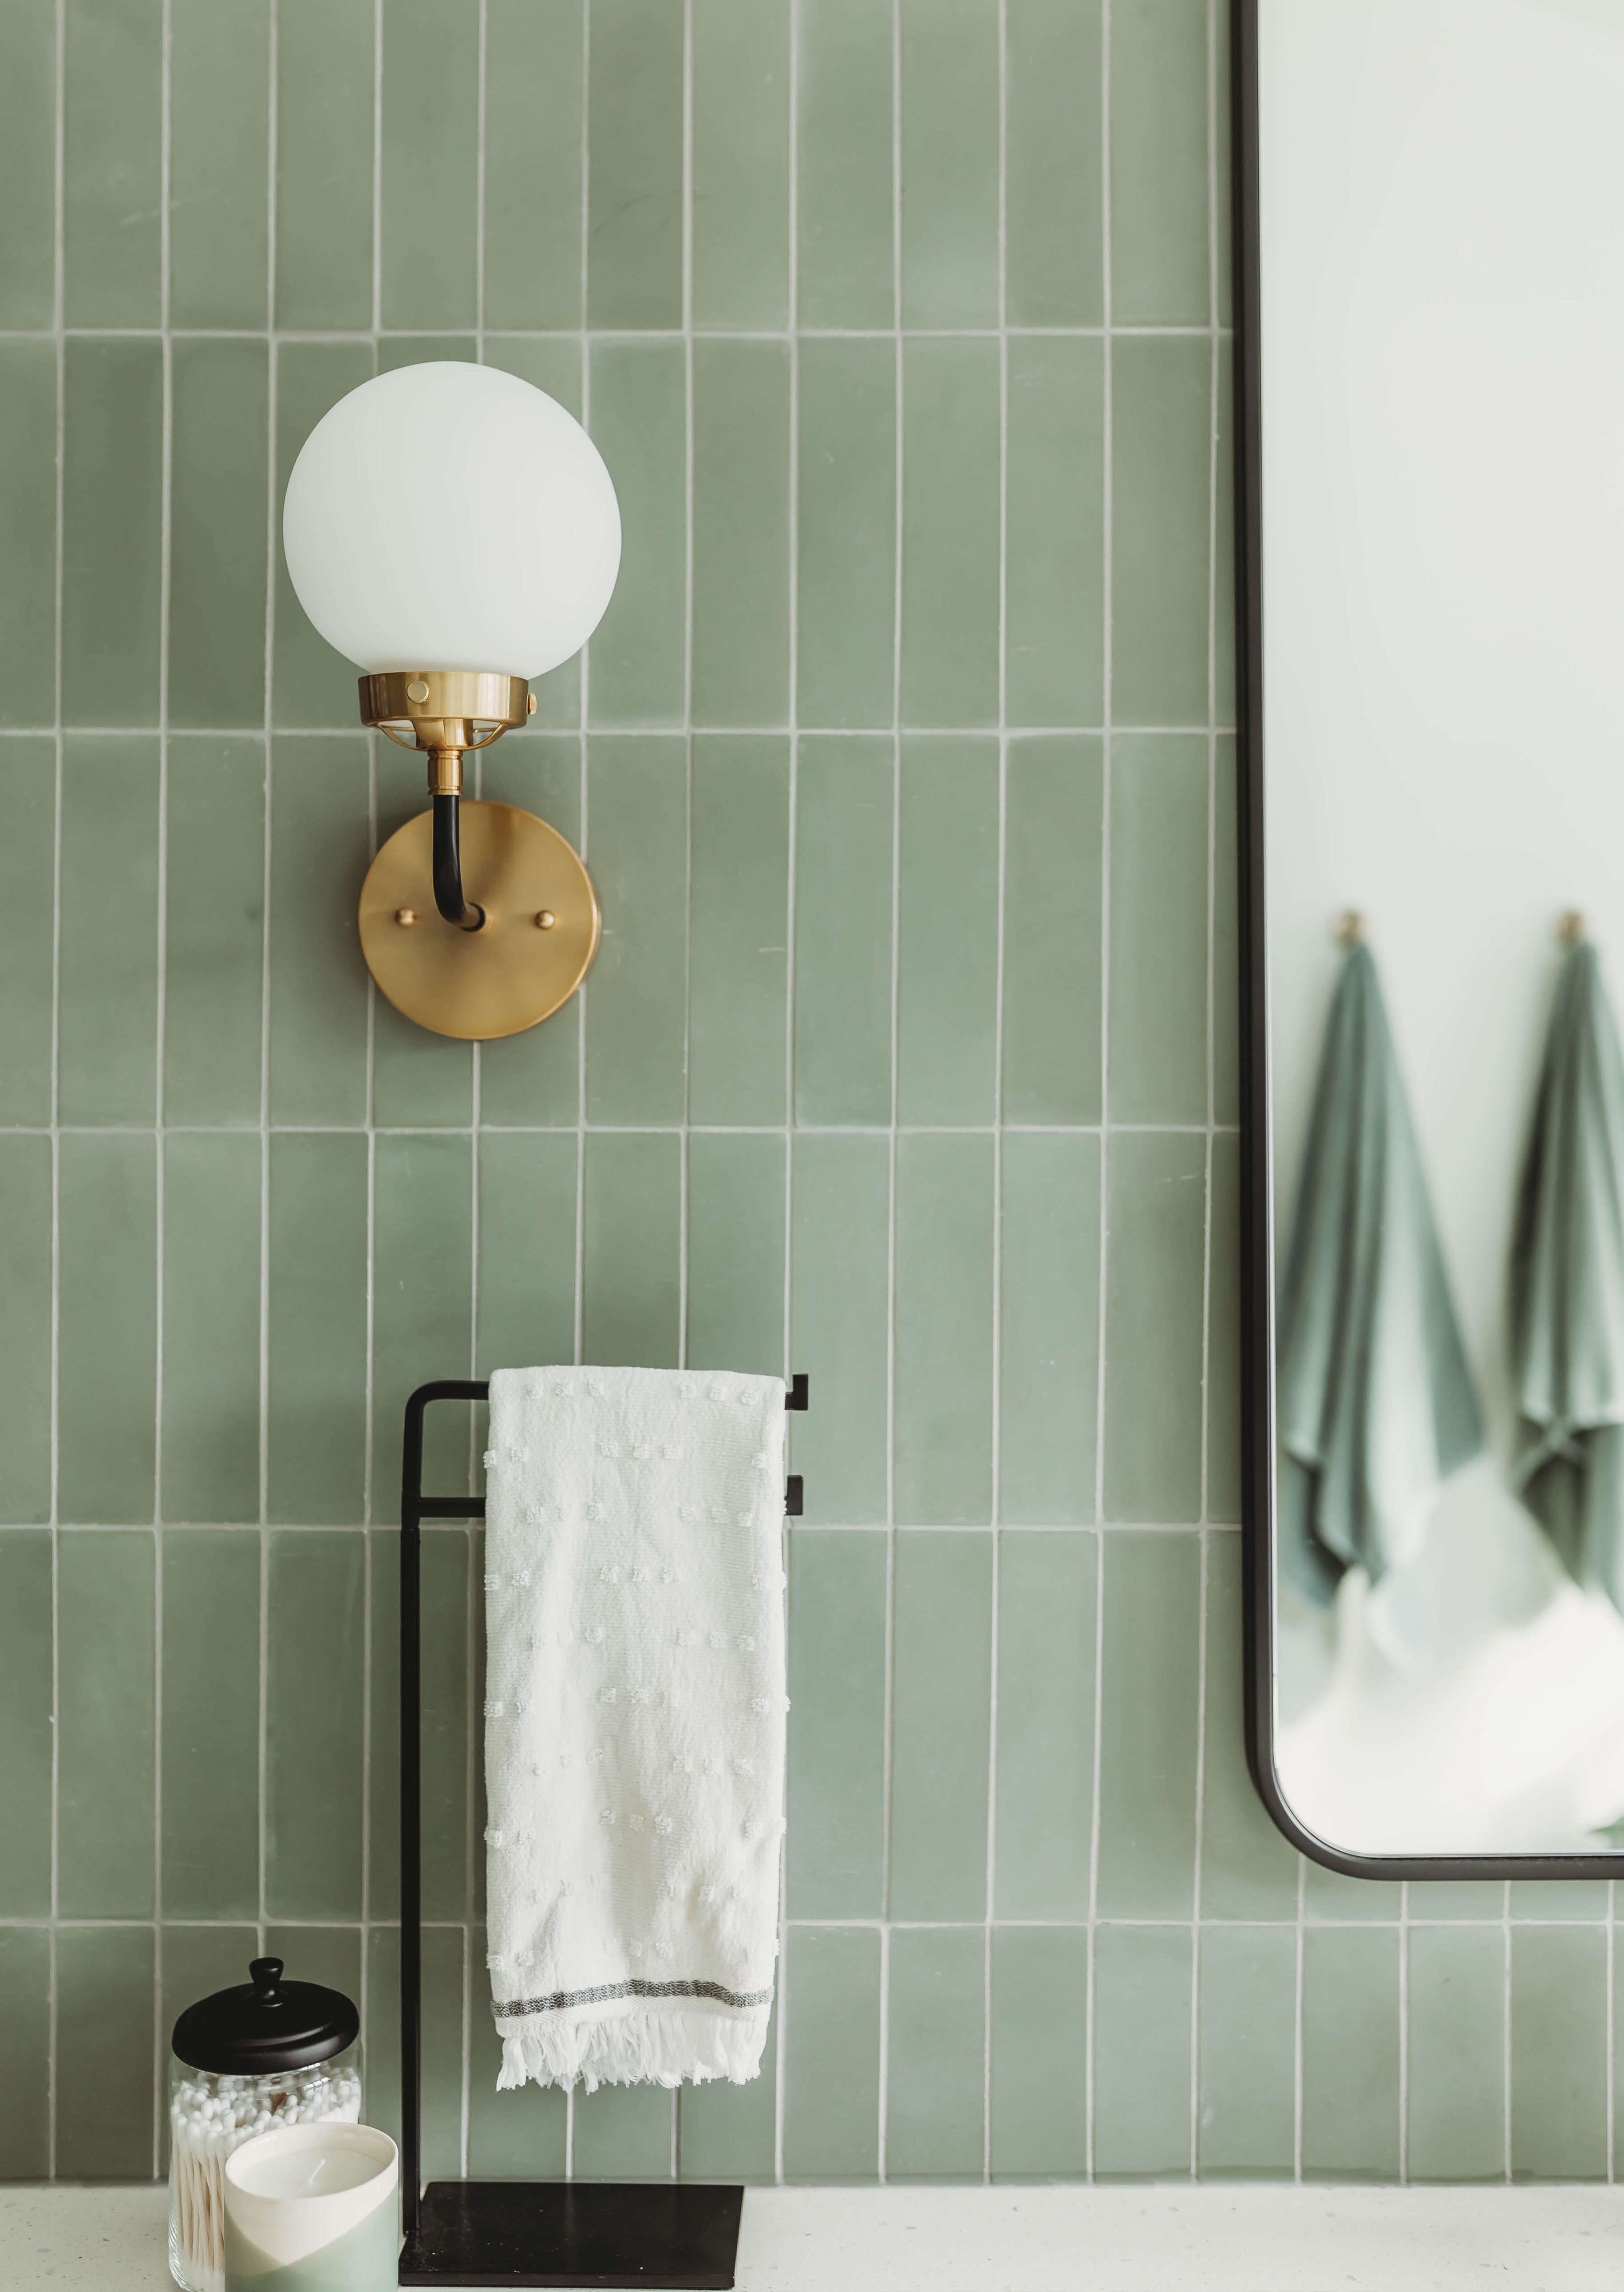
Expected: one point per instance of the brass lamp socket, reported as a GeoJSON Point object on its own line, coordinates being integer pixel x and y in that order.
{"type": "Point", "coordinates": [447, 711]}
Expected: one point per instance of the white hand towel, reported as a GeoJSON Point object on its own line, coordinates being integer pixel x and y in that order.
{"type": "Point", "coordinates": [634, 1722]}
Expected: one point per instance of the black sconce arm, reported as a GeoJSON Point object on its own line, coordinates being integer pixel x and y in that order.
{"type": "Point", "coordinates": [448, 866]}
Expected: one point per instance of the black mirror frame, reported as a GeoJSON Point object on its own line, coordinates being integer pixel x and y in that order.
{"type": "Point", "coordinates": [1256, 1227]}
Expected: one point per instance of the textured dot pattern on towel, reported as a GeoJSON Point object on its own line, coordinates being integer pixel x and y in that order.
{"type": "Point", "coordinates": [634, 1722]}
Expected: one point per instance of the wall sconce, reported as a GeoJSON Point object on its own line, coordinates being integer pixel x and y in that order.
{"type": "Point", "coordinates": [455, 533]}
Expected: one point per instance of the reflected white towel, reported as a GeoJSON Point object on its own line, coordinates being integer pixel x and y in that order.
{"type": "Point", "coordinates": [634, 1722]}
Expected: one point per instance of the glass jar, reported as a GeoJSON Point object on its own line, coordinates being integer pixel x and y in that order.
{"type": "Point", "coordinates": [245, 2060]}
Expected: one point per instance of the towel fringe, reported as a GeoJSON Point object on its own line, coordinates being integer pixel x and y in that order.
{"type": "Point", "coordinates": [660, 2047]}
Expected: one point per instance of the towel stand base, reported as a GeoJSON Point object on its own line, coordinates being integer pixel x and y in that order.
{"type": "Point", "coordinates": [678, 2234]}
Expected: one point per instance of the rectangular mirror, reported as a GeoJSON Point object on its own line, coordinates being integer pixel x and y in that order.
{"type": "Point", "coordinates": [1430, 343]}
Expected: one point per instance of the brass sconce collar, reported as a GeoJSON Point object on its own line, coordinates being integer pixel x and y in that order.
{"type": "Point", "coordinates": [447, 711]}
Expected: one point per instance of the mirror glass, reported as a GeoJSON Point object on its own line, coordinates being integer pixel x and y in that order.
{"type": "Point", "coordinates": [1439, 496]}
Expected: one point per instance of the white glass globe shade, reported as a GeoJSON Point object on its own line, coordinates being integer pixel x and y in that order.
{"type": "Point", "coordinates": [449, 516]}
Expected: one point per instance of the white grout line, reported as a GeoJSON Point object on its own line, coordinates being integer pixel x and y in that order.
{"type": "Point", "coordinates": [59, 268]}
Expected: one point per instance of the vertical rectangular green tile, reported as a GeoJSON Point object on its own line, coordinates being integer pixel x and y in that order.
{"type": "Point", "coordinates": [111, 526]}
{"type": "Point", "coordinates": [422, 1269]}
{"type": "Point", "coordinates": [936, 2054]}
{"type": "Point", "coordinates": [27, 900]}
{"type": "Point", "coordinates": [104, 2054]}
{"type": "Point", "coordinates": [428, 185]}
{"type": "Point", "coordinates": [106, 1023]}
{"type": "Point", "coordinates": [845, 811]}
{"type": "Point", "coordinates": [1555, 1900]}
{"type": "Point", "coordinates": [1142, 1978]}
{"type": "Point", "coordinates": [381, 1979]}
{"type": "Point", "coordinates": [941, 1717]}
{"type": "Point", "coordinates": [316, 1350]}
{"type": "Point", "coordinates": [1047, 1597]}
{"type": "Point", "coordinates": [1246, 1869]}
{"type": "Point", "coordinates": [634, 131]}
{"type": "Point", "coordinates": [218, 115]}
{"type": "Point", "coordinates": [1155, 1240]}
{"type": "Point", "coordinates": [320, 851]}
{"type": "Point", "coordinates": [831, 2030]}
{"type": "Point", "coordinates": [637, 808]}
{"type": "Point", "coordinates": [1247, 2054]}
{"type": "Point", "coordinates": [1558, 2052]}
{"type": "Point", "coordinates": [729, 2132]}
{"type": "Point", "coordinates": [637, 664]}
{"type": "Point", "coordinates": [738, 957]}
{"type": "Point", "coordinates": [1150, 1595]}
{"type": "Point", "coordinates": [214, 933]}
{"type": "Point", "coordinates": [27, 165]}
{"type": "Point", "coordinates": [1457, 2065]}
{"type": "Point", "coordinates": [741, 186]}
{"type": "Point", "coordinates": [1481, 1901]}
{"type": "Point", "coordinates": [741, 573]}
{"type": "Point", "coordinates": [28, 489]}
{"type": "Point", "coordinates": [217, 569]}
{"type": "Point", "coordinates": [624, 2133]}
{"type": "Point", "coordinates": [944, 1329]}
{"type": "Point", "coordinates": [634, 1182]}
{"type": "Point", "coordinates": [106, 1752]}
{"type": "Point", "coordinates": [112, 138]}
{"type": "Point", "coordinates": [211, 1416]}
{"type": "Point", "coordinates": [1055, 532]}
{"type": "Point", "coordinates": [535, 1077]}
{"type": "Point", "coordinates": [736, 1216]}
{"type": "Point", "coordinates": [1226, 667]}
{"type": "Point", "coordinates": [314, 1723]}
{"type": "Point", "coordinates": [636, 1000]}
{"type": "Point", "coordinates": [1224, 1332]}
{"type": "Point", "coordinates": [384, 1781]}
{"type": "Point", "coordinates": [950, 163]}
{"type": "Point", "coordinates": [533, 126]}
{"type": "Point", "coordinates": [845, 197]}
{"type": "Point", "coordinates": [846, 532]}
{"type": "Point", "coordinates": [1226, 935]}
{"type": "Point", "coordinates": [1048, 1358]}
{"type": "Point", "coordinates": [27, 1722]}
{"type": "Point", "coordinates": [841, 1201]}
{"type": "Point", "coordinates": [1350, 2041]}
{"type": "Point", "coordinates": [25, 2041]}
{"type": "Point", "coordinates": [947, 932]}
{"type": "Point", "coordinates": [107, 1332]}
{"type": "Point", "coordinates": [310, 684]}
{"type": "Point", "coordinates": [1158, 1066]}
{"type": "Point", "coordinates": [514, 2135]}
{"type": "Point", "coordinates": [835, 1844]}
{"type": "Point", "coordinates": [325, 65]}
{"type": "Point", "coordinates": [442, 2067]}
{"type": "Point", "coordinates": [398, 350]}
{"type": "Point", "coordinates": [1159, 239]}
{"type": "Point", "coordinates": [949, 539]}
{"type": "Point", "coordinates": [1039, 2045]}
{"type": "Point", "coordinates": [1054, 906]}
{"type": "Point", "coordinates": [1053, 205]}
{"type": "Point", "coordinates": [1161, 462]}
{"type": "Point", "coordinates": [210, 1747]}
{"type": "Point", "coordinates": [527, 1181]}
{"type": "Point", "coordinates": [26, 1189]}
{"type": "Point", "coordinates": [444, 1641]}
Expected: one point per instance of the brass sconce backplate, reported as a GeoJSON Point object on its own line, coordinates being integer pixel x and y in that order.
{"type": "Point", "coordinates": [537, 943]}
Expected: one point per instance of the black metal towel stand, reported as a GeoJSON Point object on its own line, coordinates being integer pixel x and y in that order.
{"type": "Point", "coordinates": [672, 2236]}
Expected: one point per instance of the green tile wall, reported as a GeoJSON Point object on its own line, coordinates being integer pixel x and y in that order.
{"type": "Point", "coordinates": [903, 761]}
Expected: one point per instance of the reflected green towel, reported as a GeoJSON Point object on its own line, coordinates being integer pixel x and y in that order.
{"type": "Point", "coordinates": [1376, 1404]}
{"type": "Point", "coordinates": [1567, 1287]}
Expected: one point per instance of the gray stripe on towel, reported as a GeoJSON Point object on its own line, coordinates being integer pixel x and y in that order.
{"type": "Point", "coordinates": [519, 2007]}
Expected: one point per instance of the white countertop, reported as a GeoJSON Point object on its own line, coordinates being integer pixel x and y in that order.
{"type": "Point", "coordinates": [1262, 2238]}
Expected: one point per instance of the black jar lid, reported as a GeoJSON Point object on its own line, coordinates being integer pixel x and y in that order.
{"type": "Point", "coordinates": [265, 2025]}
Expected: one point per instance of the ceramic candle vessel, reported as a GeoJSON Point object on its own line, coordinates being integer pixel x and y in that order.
{"type": "Point", "coordinates": [312, 2209]}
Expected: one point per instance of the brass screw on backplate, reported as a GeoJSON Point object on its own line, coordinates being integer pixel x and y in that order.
{"type": "Point", "coordinates": [545, 920]}
{"type": "Point", "coordinates": [406, 916]}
